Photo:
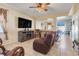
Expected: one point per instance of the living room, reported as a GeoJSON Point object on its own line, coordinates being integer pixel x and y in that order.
{"type": "Point", "coordinates": [42, 21]}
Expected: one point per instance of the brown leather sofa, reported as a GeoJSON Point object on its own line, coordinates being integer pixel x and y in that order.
{"type": "Point", "coordinates": [44, 44]}
{"type": "Point", "coordinates": [17, 51]}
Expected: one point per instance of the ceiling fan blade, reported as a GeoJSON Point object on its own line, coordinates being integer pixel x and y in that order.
{"type": "Point", "coordinates": [32, 7]}
{"type": "Point", "coordinates": [47, 3]}
{"type": "Point", "coordinates": [43, 6]}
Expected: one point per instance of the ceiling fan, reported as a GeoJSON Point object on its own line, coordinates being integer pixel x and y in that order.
{"type": "Point", "coordinates": [41, 6]}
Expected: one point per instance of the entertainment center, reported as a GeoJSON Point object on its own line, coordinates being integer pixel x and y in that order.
{"type": "Point", "coordinates": [26, 34]}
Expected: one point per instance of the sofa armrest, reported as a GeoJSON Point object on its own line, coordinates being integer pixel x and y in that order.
{"type": "Point", "coordinates": [17, 51]}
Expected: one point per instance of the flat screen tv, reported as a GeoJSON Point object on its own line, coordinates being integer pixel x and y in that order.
{"type": "Point", "coordinates": [24, 23]}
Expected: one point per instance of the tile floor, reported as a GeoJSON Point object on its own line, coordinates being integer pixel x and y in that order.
{"type": "Point", "coordinates": [61, 48]}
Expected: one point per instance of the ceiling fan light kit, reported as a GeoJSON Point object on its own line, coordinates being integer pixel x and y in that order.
{"type": "Point", "coordinates": [41, 7]}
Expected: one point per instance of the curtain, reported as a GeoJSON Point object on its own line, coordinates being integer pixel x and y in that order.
{"type": "Point", "coordinates": [3, 20]}
{"type": "Point", "coordinates": [4, 12]}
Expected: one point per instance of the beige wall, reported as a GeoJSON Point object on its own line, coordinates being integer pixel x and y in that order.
{"type": "Point", "coordinates": [75, 27]}
{"type": "Point", "coordinates": [12, 23]}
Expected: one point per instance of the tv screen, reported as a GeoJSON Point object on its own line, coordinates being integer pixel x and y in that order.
{"type": "Point", "coordinates": [24, 23]}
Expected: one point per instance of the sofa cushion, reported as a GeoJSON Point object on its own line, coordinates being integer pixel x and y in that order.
{"type": "Point", "coordinates": [48, 39]}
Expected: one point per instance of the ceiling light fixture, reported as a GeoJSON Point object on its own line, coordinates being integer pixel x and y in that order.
{"type": "Point", "coordinates": [41, 7]}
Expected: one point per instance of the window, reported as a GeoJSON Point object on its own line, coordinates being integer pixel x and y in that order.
{"type": "Point", "coordinates": [1, 29]}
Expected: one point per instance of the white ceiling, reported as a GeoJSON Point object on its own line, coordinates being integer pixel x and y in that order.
{"type": "Point", "coordinates": [53, 8]}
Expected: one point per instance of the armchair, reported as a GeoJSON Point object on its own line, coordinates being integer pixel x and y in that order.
{"type": "Point", "coordinates": [44, 44]}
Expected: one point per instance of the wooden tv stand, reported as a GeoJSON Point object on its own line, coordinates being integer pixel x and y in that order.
{"type": "Point", "coordinates": [25, 35]}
